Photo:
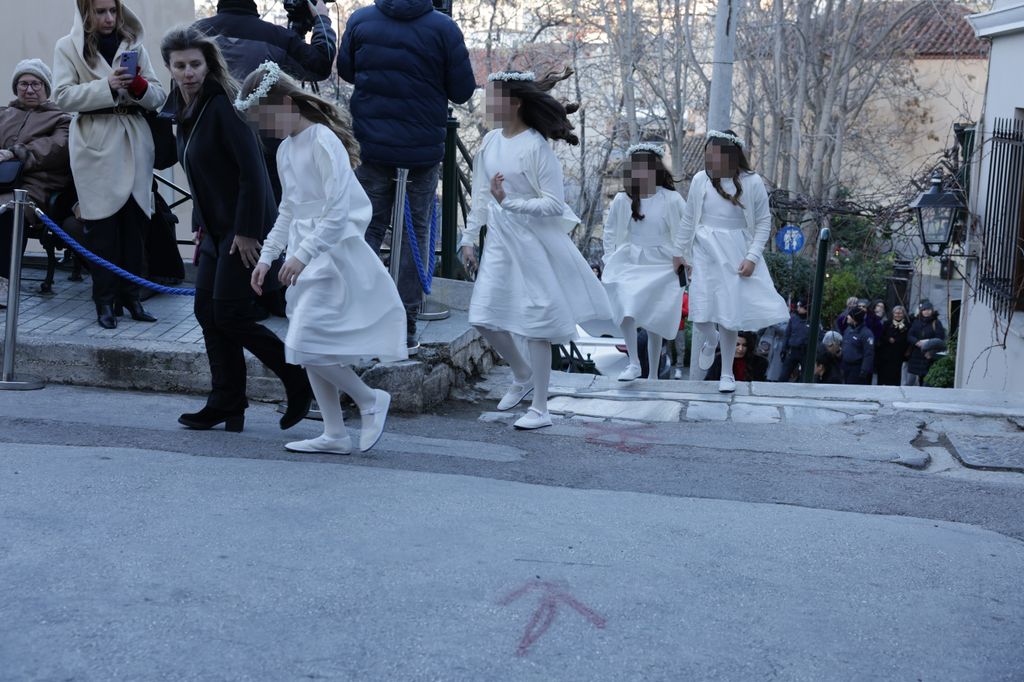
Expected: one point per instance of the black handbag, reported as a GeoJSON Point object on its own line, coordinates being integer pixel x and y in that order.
{"type": "Point", "coordinates": [10, 175]}
{"type": "Point", "coordinates": [164, 143]}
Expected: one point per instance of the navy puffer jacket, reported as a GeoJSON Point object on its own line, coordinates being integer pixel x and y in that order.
{"type": "Point", "coordinates": [406, 62]}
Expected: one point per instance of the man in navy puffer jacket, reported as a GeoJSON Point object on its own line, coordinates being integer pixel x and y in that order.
{"type": "Point", "coordinates": [406, 61]}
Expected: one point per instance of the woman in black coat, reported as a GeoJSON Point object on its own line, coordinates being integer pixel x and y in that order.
{"type": "Point", "coordinates": [892, 348]}
{"type": "Point", "coordinates": [234, 209]}
{"type": "Point", "coordinates": [927, 336]}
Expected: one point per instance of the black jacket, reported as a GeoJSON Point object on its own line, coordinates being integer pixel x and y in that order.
{"type": "Point", "coordinates": [231, 192]}
{"type": "Point", "coordinates": [833, 373]}
{"type": "Point", "coordinates": [922, 329]}
{"type": "Point", "coordinates": [798, 332]}
{"type": "Point", "coordinates": [892, 346]}
{"type": "Point", "coordinates": [859, 348]}
{"type": "Point", "coordinates": [247, 41]}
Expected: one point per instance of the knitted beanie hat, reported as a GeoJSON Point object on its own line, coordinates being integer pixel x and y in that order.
{"type": "Point", "coordinates": [35, 67]}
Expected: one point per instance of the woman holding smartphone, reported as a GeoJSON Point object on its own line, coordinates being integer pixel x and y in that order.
{"type": "Point", "coordinates": [103, 75]}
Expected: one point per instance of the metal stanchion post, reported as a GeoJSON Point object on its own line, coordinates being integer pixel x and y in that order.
{"type": "Point", "coordinates": [819, 289]}
{"type": "Point", "coordinates": [450, 200]}
{"type": "Point", "coordinates": [9, 382]}
{"type": "Point", "coordinates": [398, 223]}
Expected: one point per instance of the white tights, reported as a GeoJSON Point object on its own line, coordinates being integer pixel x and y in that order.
{"type": "Point", "coordinates": [327, 381]}
{"type": "Point", "coordinates": [727, 342]}
{"type": "Point", "coordinates": [538, 366]}
{"type": "Point", "coordinates": [654, 343]}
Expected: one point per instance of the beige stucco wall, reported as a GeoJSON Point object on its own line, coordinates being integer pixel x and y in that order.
{"type": "Point", "coordinates": [31, 29]}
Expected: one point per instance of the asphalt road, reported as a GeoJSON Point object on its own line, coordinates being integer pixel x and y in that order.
{"type": "Point", "coordinates": [462, 549]}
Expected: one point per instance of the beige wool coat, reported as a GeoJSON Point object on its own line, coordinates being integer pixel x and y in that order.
{"type": "Point", "coordinates": [111, 155]}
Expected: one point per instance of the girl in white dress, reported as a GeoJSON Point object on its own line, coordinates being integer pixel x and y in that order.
{"type": "Point", "coordinates": [532, 280]}
{"type": "Point", "coordinates": [726, 224]}
{"type": "Point", "coordinates": [642, 256]}
{"type": "Point", "coordinates": [343, 308]}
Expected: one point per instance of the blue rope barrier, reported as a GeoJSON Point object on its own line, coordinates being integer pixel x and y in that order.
{"type": "Point", "coordinates": [426, 276]}
{"type": "Point", "coordinates": [103, 263]}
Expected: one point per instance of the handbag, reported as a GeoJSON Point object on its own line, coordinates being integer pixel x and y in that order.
{"type": "Point", "coordinates": [10, 174]}
{"type": "Point", "coordinates": [164, 143]}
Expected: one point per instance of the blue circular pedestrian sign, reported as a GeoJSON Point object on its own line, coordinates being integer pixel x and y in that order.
{"type": "Point", "coordinates": [790, 239]}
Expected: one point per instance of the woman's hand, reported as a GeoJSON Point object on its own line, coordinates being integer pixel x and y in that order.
{"type": "Point", "coordinates": [497, 191]}
{"type": "Point", "coordinates": [290, 271]}
{"type": "Point", "coordinates": [678, 262]}
{"type": "Point", "coordinates": [469, 259]}
{"type": "Point", "coordinates": [120, 79]}
{"type": "Point", "coordinates": [259, 273]}
{"type": "Point", "coordinates": [248, 248]}
{"type": "Point", "coordinates": [746, 268]}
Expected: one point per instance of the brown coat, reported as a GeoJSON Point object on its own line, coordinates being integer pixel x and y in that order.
{"type": "Point", "coordinates": [39, 139]}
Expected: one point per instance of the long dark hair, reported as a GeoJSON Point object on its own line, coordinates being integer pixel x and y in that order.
{"type": "Point", "coordinates": [91, 49]}
{"type": "Point", "coordinates": [310, 106]}
{"type": "Point", "coordinates": [737, 163]}
{"type": "Point", "coordinates": [662, 178]}
{"type": "Point", "coordinates": [183, 38]}
{"type": "Point", "coordinates": [541, 111]}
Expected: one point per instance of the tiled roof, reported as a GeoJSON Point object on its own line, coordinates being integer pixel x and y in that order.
{"type": "Point", "coordinates": [940, 29]}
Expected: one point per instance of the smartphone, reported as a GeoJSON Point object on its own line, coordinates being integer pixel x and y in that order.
{"type": "Point", "coordinates": [682, 276]}
{"type": "Point", "coordinates": [130, 61]}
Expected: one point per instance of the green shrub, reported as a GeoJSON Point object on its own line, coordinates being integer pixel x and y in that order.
{"type": "Point", "coordinates": [942, 373]}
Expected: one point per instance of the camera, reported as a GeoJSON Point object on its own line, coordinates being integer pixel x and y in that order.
{"type": "Point", "coordinates": [301, 17]}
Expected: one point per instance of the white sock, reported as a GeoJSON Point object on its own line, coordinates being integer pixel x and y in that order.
{"type": "Point", "coordinates": [329, 402]}
{"type": "Point", "coordinates": [629, 334]}
{"type": "Point", "coordinates": [540, 360]}
{"type": "Point", "coordinates": [348, 382]}
{"type": "Point", "coordinates": [728, 345]}
{"type": "Point", "coordinates": [507, 349]}
{"type": "Point", "coordinates": [653, 354]}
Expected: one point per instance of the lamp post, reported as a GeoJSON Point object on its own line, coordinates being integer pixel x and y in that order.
{"type": "Point", "coordinates": [937, 211]}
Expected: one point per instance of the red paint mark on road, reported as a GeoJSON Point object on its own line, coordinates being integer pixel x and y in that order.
{"type": "Point", "coordinates": [630, 439]}
{"type": "Point", "coordinates": [547, 609]}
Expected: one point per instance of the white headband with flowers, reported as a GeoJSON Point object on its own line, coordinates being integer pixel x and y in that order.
{"type": "Point", "coordinates": [512, 76]}
{"type": "Point", "coordinates": [726, 136]}
{"type": "Point", "coordinates": [270, 78]}
{"type": "Point", "coordinates": [651, 147]}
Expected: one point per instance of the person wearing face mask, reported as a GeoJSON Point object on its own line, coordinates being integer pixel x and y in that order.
{"type": "Point", "coordinates": [892, 348]}
{"type": "Point", "coordinates": [233, 201]}
{"type": "Point", "coordinates": [34, 133]}
{"type": "Point", "coordinates": [926, 337]}
{"type": "Point", "coordinates": [112, 150]}
{"type": "Point", "coordinates": [726, 224]}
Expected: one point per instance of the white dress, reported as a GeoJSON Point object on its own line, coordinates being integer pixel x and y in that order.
{"type": "Point", "coordinates": [717, 292]}
{"type": "Point", "coordinates": [344, 307]}
{"type": "Point", "coordinates": [638, 274]}
{"type": "Point", "coordinates": [532, 281]}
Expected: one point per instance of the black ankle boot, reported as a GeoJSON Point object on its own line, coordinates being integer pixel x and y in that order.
{"type": "Point", "coordinates": [105, 316]}
{"type": "Point", "coordinates": [300, 397]}
{"type": "Point", "coordinates": [208, 417]}
{"type": "Point", "coordinates": [136, 310]}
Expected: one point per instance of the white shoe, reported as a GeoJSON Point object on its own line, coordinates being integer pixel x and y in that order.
{"type": "Point", "coordinates": [707, 352]}
{"type": "Point", "coordinates": [372, 427]}
{"type": "Point", "coordinates": [533, 419]}
{"type": "Point", "coordinates": [322, 445]}
{"type": "Point", "coordinates": [630, 373]}
{"type": "Point", "coordinates": [514, 395]}
{"type": "Point", "coordinates": [726, 384]}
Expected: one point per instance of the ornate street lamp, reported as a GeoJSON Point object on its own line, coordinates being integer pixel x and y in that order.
{"type": "Point", "coordinates": [937, 212]}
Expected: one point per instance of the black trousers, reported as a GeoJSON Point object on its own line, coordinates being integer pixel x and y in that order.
{"type": "Point", "coordinates": [852, 375]}
{"type": "Point", "coordinates": [794, 358]}
{"type": "Point", "coordinates": [121, 240]}
{"type": "Point", "coordinates": [6, 230]}
{"type": "Point", "coordinates": [228, 327]}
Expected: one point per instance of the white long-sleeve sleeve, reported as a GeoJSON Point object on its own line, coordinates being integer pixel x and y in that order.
{"type": "Point", "coordinates": [551, 183]}
{"type": "Point", "coordinates": [615, 224]}
{"type": "Point", "coordinates": [688, 223]}
{"type": "Point", "coordinates": [336, 177]}
{"type": "Point", "coordinates": [277, 241]}
{"type": "Point", "coordinates": [481, 197]}
{"type": "Point", "coordinates": [676, 215]}
{"type": "Point", "coordinates": [762, 217]}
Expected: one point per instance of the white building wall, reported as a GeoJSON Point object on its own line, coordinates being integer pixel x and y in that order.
{"type": "Point", "coordinates": [991, 348]}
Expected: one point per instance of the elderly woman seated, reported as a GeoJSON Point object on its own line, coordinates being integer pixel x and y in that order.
{"type": "Point", "coordinates": [34, 136]}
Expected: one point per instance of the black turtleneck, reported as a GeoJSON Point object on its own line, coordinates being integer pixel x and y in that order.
{"type": "Point", "coordinates": [107, 45]}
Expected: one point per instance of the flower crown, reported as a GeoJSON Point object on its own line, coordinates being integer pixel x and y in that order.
{"type": "Point", "coordinates": [270, 78]}
{"type": "Point", "coordinates": [651, 147]}
{"type": "Point", "coordinates": [726, 136]}
{"type": "Point", "coordinates": [512, 76]}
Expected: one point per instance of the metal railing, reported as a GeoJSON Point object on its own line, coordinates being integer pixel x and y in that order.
{"type": "Point", "coordinates": [10, 381]}
{"type": "Point", "coordinates": [1001, 267]}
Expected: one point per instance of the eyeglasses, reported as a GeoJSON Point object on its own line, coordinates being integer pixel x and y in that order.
{"type": "Point", "coordinates": [30, 85]}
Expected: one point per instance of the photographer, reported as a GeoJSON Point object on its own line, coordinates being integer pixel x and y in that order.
{"type": "Point", "coordinates": [400, 110]}
{"type": "Point", "coordinates": [247, 41]}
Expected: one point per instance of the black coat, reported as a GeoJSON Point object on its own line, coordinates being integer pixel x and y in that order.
{"type": "Point", "coordinates": [859, 348]}
{"type": "Point", "coordinates": [891, 350]}
{"type": "Point", "coordinates": [231, 192]}
{"type": "Point", "coordinates": [922, 329]}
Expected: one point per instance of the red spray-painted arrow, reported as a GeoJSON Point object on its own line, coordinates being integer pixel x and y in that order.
{"type": "Point", "coordinates": [544, 616]}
